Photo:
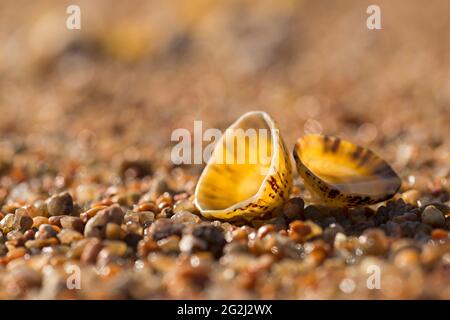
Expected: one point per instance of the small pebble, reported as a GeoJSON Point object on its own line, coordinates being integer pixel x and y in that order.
{"type": "Point", "coordinates": [411, 196]}
{"type": "Point", "coordinates": [22, 221]}
{"type": "Point", "coordinates": [294, 208]}
{"type": "Point", "coordinates": [45, 231]}
{"type": "Point", "coordinates": [75, 223]}
{"type": "Point", "coordinates": [114, 231]}
{"type": "Point", "coordinates": [67, 236]}
{"type": "Point", "coordinates": [374, 242]}
{"type": "Point", "coordinates": [91, 251]}
{"type": "Point", "coordinates": [433, 217]}
{"type": "Point", "coordinates": [60, 204]}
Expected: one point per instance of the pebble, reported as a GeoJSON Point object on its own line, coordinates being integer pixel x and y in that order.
{"type": "Point", "coordinates": [67, 236]}
{"type": "Point", "coordinates": [15, 235]}
{"type": "Point", "coordinates": [6, 224]}
{"type": "Point", "coordinates": [190, 244]}
{"type": "Point", "coordinates": [22, 221]}
{"type": "Point", "coordinates": [313, 213]}
{"type": "Point", "coordinates": [96, 226]}
{"type": "Point", "coordinates": [45, 231]}
{"type": "Point", "coordinates": [184, 205]}
{"type": "Point", "coordinates": [29, 234]}
{"type": "Point", "coordinates": [74, 223]}
{"type": "Point", "coordinates": [91, 251]}
{"type": "Point", "coordinates": [116, 247]}
{"type": "Point", "coordinates": [169, 244]}
{"type": "Point", "coordinates": [374, 242]}
{"type": "Point", "coordinates": [298, 231]}
{"type": "Point", "coordinates": [411, 196]}
{"type": "Point", "coordinates": [330, 232]}
{"type": "Point", "coordinates": [148, 206]}
{"type": "Point", "coordinates": [433, 217]}
{"type": "Point", "coordinates": [114, 231]}
{"type": "Point", "coordinates": [163, 228]}
{"type": "Point", "coordinates": [294, 208]}
{"type": "Point", "coordinates": [55, 220]}
{"type": "Point", "coordinates": [37, 221]}
{"type": "Point", "coordinates": [144, 218]}
{"type": "Point", "coordinates": [145, 246]}
{"type": "Point", "coordinates": [185, 217]}
{"type": "Point", "coordinates": [60, 204]}
{"type": "Point", "coordinates": [132, 239]}
{"type": "Point", "coordinates": [439, 234]}
{"type": "Point", "coordinates": [213, 236]}
{"type": "Point", "coordinates": [264, 230]}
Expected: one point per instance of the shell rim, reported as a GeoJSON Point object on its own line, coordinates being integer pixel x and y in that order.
{"type": "Point", "coordinates": [275, 140]}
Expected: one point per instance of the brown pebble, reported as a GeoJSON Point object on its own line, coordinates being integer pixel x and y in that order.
{"type": "Point", "coordinates": [60, 204]}
{"type": "Point", "coordinates": [264, 230]}
{"type": "Point", "coordinates": [439, 234]}
{"type": "Point", "coordinates": [85, 216]}
{"type": "Point", "coordinates": [16, 253]}
{"type": "Point", "coordinates": [411, 196]}
{"type": "Point", "coordinates": [55, 220]}
{"type": "Point", "coordinates": [294, 208]}
{"type": "Point", "coordinates": [67, 236]}
{"type": "Point", "coordinates": [145, 246]}
{"type": "Point", "coordinates": [298, 231]}
{"type": "Point", "coordinates": [148, 206]}
{"type": "Point", "coordinates": [22, 221]}
{"type": "Point", "coordinates": [96, 226]}
{"type": "Point", "coordinates": [374, 242]}
{"type": "Point", "coordinates": [45, 231]}
{"type": "Point", "coordinates": [75, 223]}
{"type": "Point", "coordinates": [114, 231]}
{"type": "Point", "coordinates": [433, 216]}
{"type": "Point", "coordinates": [90, 252]}
{"type": "Point", "coordinates": [29, 234]}
{"type": "Point", "coordinates": [37, 221]}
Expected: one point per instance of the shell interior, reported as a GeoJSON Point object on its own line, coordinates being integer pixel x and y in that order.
{"type": "Point", "coordinates": [238, 166]}
{"type": "Point", "coordinates": [342, 172]}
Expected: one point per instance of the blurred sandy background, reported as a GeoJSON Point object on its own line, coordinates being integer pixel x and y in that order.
{"type": "Point", "coordinates": [139, 69]}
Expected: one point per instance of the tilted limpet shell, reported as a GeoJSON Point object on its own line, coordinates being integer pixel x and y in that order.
{"type": "Point", "coordinates": [245, 178]}
{"type": "Point", "coordinates": [341, 173]}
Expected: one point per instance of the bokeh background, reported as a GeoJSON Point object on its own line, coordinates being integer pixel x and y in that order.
{"type": "Point", "coordinates": [137, 70]}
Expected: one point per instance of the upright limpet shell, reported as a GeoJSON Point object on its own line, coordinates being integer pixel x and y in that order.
{"type": "Point", "coordinates": [245, 178]}
{"type": "Point", "coordinates": [341, 173]}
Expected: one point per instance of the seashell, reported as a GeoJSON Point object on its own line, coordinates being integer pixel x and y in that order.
{"type": "Point", "coordinates": [341, 173]}
{"type": "Point", "coordinates": [245, 178]}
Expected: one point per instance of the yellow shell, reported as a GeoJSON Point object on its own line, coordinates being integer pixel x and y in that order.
{"type": "Point", "coordinates": [341, 173]}
{"type": "Point", "coordinates": [245, 178]}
